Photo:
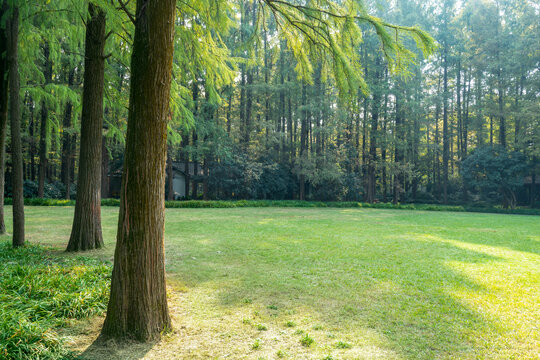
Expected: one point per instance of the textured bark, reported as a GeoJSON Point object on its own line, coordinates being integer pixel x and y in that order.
{"type": "Point", "coordinates": [138, 303]}
{"type": "Point", "coordinates": [16, 145]}
{"type": "Point", "coordinates": [4, 69]}
{"type": "Point", "coordinates": [86, 230]}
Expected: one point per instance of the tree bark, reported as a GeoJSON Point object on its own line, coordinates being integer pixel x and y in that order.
{"type": "Point", "coordinates": [16, 145]}
{"type": "Point", "coordinates": [66, 141]}
{"type": "Point", "coordinates": [86, 230]}
{"type": "Point", "coordinates": [170, 176]}
{"type": "Point", "coordinates": [138, 303]}
{"type": "Point", "coordinates": [104, 169]}
{"type": "Point", "coordinates": [4, 80]}
{"type": "Point", "coordinates": [47, 74]}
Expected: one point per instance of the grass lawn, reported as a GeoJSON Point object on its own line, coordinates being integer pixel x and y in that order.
{"type": "Point", "coordinates": [267, 283]}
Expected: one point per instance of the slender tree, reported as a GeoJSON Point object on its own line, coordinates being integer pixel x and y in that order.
{"type": "Point", "coordinates": [16, 146]}
{"type": "Point", "coordinates": [86, 231]}
{"type": "Point", "coordinates": [4, 81]}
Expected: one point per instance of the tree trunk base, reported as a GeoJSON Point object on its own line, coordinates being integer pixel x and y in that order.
{"type": "Point", "coordinates": [86, 233]}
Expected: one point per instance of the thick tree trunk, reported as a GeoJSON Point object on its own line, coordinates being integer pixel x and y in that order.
{"type": "Point", "coordinates": [4, 80]}
{"type": "Point", "coordinates": [16, 145]}
{"type": "Point", "coordinates": [86, 230]}
{"type": "Point", "coordinates": [138, 302]}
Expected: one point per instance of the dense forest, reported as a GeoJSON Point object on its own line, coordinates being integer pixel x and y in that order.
{"type": "Point", "coordinates": [249, 119]}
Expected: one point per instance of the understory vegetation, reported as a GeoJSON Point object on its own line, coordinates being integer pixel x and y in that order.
{"type": "Point", "coordinates": [40, 292]}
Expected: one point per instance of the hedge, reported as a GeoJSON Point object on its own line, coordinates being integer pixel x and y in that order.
{"type": "Point", "coordinates": [294, 203]}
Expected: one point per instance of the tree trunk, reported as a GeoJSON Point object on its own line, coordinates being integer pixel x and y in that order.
{"type": "Point", "coordinates": [370, 198]}
{"type": "Point", "coordinates": [16, 145]}
{"type": "Point", "coordinates": [32, 144]}
{"type": "Point", "coordinates": [86, 230]}
{"type": "Point", "coordinates": [398, 154]}
{"type": "Point", "coordinates": [104, 169]}
{"type": "Point", "coordinates": [47, 74]}
{"type": "Point", "coordinates": [4, 80]}
{"type": "Point", "coordinates": [170, 176]}
{"type": "Point", "coordinates": [138, 302]}
{"type": "Point", "coordinates": [66, 141]}
{"type": "Point", "coordinates": [446, 138]}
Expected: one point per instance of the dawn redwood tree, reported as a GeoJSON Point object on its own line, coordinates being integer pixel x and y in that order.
{"type": "Point", "coordinates": [138, 302]}
{"type": "Point", "coordinates": [4, 80]}
{"type": "Point", "coordinates": [86, 231]}
{"type": "Point", "coordinates": [15, 117]}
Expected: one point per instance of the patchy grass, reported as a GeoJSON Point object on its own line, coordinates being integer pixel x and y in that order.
{"type": "Point", "coordinates": [393, 284]}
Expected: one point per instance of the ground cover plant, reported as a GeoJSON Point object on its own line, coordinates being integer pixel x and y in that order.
{"type": "Point", "coordinates": [40, 293]}
{"type": "Point", "coordinates": [354, 283]}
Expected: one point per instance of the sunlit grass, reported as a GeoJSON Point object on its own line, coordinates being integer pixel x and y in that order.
{"type": "Point", "coordinates": [388, 283]}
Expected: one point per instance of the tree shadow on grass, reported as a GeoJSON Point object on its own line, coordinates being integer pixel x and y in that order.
{"type": "Point", "coordinates": [400, 287]}
{"type": "Point", "coordinates": [113, 350]}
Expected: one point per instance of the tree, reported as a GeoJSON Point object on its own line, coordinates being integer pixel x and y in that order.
{"type": "Point", "coordinates": [16, 146]}
{"type": "Point", "coordinates": [138, 302]}
{"type": "Point", "coordinates": [138, 305]}
{"type": "Point", "coordinates": [4, 81]}
{"type": "Point", "coordinates": [86, 231]}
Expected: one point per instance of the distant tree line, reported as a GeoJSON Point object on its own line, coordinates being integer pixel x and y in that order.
{"type": "Point", "coordinates": [256, 127]}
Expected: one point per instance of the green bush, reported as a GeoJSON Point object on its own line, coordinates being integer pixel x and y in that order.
{"type": "Point", "coordinates": [38, 293]}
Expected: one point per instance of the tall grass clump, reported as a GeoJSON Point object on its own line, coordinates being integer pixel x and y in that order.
{"type": "Point", "coordinates": [39, 293]}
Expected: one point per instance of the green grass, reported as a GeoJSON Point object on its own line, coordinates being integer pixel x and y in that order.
{"type": "Point", "coordinates": [39, 293]}
{"type": "Point", "coordinates": [391, 283]}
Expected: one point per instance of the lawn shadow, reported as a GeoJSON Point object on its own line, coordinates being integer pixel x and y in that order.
{"type": "Point", "coordinates": [115, 350]}
{"type": "Point", "coordinates": [399, 287]}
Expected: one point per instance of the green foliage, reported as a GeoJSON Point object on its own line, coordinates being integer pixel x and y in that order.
{"type": "Point", "coordinates": [256, 344]}
{"type": "Point", "coordinates": [342, 345]}
{"type": "Point", "coordinates": [39, 293]}
{"type": "Point", "coordinates": [306, 340]}
{"type": "Point", "coordinates": [494, 171]}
